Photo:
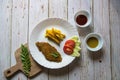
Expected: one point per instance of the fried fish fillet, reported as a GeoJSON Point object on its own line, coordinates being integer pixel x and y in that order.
{"type": "Point", "coordinates": [49, 51]}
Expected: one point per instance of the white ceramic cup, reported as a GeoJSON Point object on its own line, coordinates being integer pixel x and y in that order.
{"type": "Point", "coordinates": [85, 13]}
{"type": "Point", "coordinates": [98, 37]}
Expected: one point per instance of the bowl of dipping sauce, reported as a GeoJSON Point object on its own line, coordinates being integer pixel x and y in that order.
{"type": "Point", "coordinates": [94, 41]}
{"type": "Point", "coordinates": [82, 19]}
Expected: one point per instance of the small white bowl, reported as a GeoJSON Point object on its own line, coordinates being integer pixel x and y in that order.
{"type": "Point", "coordinates": [85, 13]}
{"type": "Point", "coordinates": [98, 37]}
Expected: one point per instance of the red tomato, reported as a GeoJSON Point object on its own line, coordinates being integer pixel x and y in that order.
{"type": "Point", "coordinates": [70, 43]}
{"type": "Point", "coordinates": [68, 49]}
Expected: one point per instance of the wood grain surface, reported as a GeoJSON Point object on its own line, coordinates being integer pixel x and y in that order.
{"type": "Point", "coordinates": [115, 37]}
{"type": "Point", "coordinates": [19, 17]}
{"type": "Point", "coordinates": [5, 36]}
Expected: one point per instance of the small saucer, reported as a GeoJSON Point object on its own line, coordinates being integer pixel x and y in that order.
{"type": "Point", "coordinates": [86, 14]}
{"type": "Point", "coordinates": [98, 37]}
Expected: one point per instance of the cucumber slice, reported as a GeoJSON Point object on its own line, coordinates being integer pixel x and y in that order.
{"type": "Point", "coordinates": [74, 38]}
{"type": "Point", "coordinates": [75, 53]}
{"type": "Point", "coordinates": [78, 43]}
{"type": "Point", "coordinates": [77, 48]}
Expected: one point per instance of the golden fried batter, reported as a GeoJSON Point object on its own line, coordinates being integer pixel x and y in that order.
{"type": "Point", "coordinates": [49, 51]}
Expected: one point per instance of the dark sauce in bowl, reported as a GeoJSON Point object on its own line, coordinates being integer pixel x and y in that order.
{"type": "Point", "coordinates": [81, 19]}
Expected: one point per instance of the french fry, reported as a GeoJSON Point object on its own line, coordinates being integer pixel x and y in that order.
{"type": "Point", "coordinates": [54, 39]}
{"type": "Point", "coordinates": [55, 35]}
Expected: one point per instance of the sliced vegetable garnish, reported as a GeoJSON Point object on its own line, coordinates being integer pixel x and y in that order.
{"type": "Point", "coordinates": [70, 43]}
{"type": "Point", "coordinates": [68, 49]}
{"type": "Point", "coordinates": [72, 46]}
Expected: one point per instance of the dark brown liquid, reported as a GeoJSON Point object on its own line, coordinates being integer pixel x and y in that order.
{"type": "Point", "coordinates": [81, 19]}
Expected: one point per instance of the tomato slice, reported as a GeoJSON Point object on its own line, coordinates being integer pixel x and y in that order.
{"type": "Point", "coordinates": [70, 43]}
{"type": "Point", "coordinates": [68, 49]}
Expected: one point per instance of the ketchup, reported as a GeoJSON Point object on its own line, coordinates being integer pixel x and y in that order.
{"type": "Point", "coordinates": [81, 19]}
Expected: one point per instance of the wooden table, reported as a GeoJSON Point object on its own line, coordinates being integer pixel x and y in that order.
{"type": "Point", "coordinates": [19, 17]}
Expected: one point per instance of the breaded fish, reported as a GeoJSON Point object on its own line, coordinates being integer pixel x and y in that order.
{"type": "Point", "coordinates": [49, 51]}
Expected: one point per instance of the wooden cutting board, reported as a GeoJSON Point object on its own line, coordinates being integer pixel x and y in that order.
{"type": "Point", "coordinates": [35, 68]}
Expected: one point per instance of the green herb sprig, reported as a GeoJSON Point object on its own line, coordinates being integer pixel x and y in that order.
{"type": "Point", "coordinates": [55, 55]}
{"type": "Point", "coordinates": [25, 60]}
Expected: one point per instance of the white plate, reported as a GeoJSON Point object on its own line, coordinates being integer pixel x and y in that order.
{"type": "Point", "coordinates": [38, 34]}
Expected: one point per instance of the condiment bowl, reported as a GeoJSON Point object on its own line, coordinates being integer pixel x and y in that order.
{"type": "Point", "coordinates": [94, 36]}
{"type": "Point", "coordinates": [86, 14]}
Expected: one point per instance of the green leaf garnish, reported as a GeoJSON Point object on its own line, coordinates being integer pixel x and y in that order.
{"type": "Point", "coordinates": [25, 59]}
{"type": "Point", "coordinates": [55, 55]}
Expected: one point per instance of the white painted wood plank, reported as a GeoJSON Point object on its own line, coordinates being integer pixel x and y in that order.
{"type": "Point", "coordinates": [102, 65]}
{"type": "Point", "coordinates": [5, 35]}
{"type": "Point", "coordinates": [38, 11]}
{"type": "Point", "coordinates": [82, 68]}
{"type": "Point", "coordinates": [115, 38]}
{"type": "Point", "coordinates": [58, 8]}
{"type": "Point", "coordinates": [19, 30]}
